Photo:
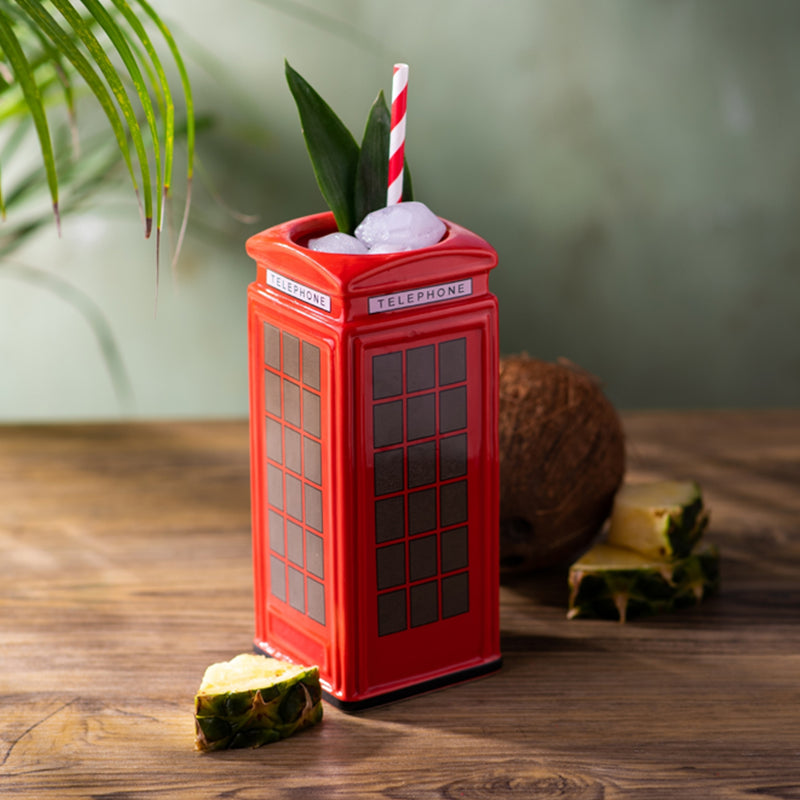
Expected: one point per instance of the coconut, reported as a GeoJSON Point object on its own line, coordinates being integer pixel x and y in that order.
{"type": "Point", "coordinates": [562, 459]}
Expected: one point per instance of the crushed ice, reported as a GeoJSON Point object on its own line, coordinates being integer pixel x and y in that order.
{"type": "Point", "coordinates": [338, 243]}
{"type": "Point", "coordinates": [393, 229]}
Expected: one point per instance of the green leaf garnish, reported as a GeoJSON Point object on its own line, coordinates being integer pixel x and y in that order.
{"type": "Point", "coordinates": [373, 162]}
{"type": "Point", "coordinates": [332, 148]}
{"type": "Point", "coordinates": [353, 180]}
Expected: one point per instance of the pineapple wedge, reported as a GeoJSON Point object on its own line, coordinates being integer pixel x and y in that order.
{"type": "Point", "coordinates": [617, 583]}
{"type": "Point", "coordinates": [253, 700]}
{"type": "Point", "coordinates": [661, 519]}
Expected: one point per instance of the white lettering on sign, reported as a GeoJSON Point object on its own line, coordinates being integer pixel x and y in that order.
{"type": "Point", "coordinates": [421, 296]}
{"type": "Point", "coordinates": [299, 291]}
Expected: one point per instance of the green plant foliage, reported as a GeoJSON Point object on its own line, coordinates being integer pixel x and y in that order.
{"type": "Point", "coordinates": [373, 161]}
{"type": "Point", "coordinates": [49, 52]}
{"type": "Point", "coordinates": [331, 147]}
{"type": "Point", "coordinates": [372, 174]}
{"type": "Point", "coordinates": [352, 179]}
{"type": "Point", "coordinates": [81, 181]}
{"type": "Point", "coordinates": [42, 53]}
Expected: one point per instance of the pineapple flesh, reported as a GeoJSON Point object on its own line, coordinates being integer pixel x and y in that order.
{"type": "Point", "coordinates": [617, 583]}
{"type": "Point", "coordinates": [253, 700]}
{"type": "Point", "coordinates": [661, 519]}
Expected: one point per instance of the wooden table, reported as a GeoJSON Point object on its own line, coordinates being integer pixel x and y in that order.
{"type": "Point", "coordinates": [125, 571]}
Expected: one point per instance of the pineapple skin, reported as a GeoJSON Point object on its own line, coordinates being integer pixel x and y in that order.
{"type": "Point", "coordinates": [603, 586]}
{"type": "Point", "coordinates": [660, 529]}
{"type": "Point", "coordinates": [256, 717]}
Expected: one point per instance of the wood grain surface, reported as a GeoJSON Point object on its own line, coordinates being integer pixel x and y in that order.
{"type": "Point", "coordinates": [125, 570]}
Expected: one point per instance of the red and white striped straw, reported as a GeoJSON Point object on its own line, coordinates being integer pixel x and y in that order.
{"type": "Point", "coordinates": [397, 137]}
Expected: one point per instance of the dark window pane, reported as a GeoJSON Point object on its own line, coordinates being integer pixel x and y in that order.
{"type": "Point", "coordinates": [316, 601]}
{"type": "Point", "coordinates": [314, 555]}
{"type": "Point", "coordinates": [294, 497]}
{"type": "Point", "coordinates": [453, 409]}
{"type": "Point", "coordinates": [312, 460]}
{"type": "Point", "coordinates": [291, 441]}
{"type": "Point", "coordinates": [422, 511]}
{"type": "Point", "coordinates": [276, 532]}
{"type": "Point", "coordinates": [420, 371]}
{"type": "Point", "coordinates": [313, 508]}
{"type": "Point", "coordinates": [387, 423]}
{"type": "Point", "coordinates": [291, 403]}
{"type": "Point", "coordinates": [455, 549]}
{"type": "Point", "coordinates": [455, 595]}
{"type": "Point", "coordinates": [277, 578]}
{"type": "Point", "coordinates": [422, 558]}
{"type": "Point", "coordinates": [453, 499]}
{"type": "Point", "coordinates": [391, 612]}
{"type": "Point", "coordinates": [453, 457]}
{"type": "Point", "coordinates": [421, 416]}
{"type": "Point", "coordinates": [311, 365]}
{"type": "Point", "coordinates": [297, 590]}
{"type": "Point", "coordinates": [272, 346]}
{"type": "Point", "coordinates": [311, 420]}
{"type": "Point", "coordinates": [294, 543]}
{"type": "Point", "coordinates": [274, 434]}
{"type": "Point", "coordinates": [389, 471]}
{"type": "Point", "coordinates": [275, 486]}
{"type": "Point", "coordinates": [272, 393]}
{"type": "Point", "coordinates": [424, 604]}
{"type": "Point", "coordinates": [391, 565]}
{"type": "Point", "coordinates": [291, 356]}
{"type": "Point", "coordinates": [390, 521]}
{"type": "Point", "coordinates": [387, 375]}
{"type": "Point", "coordinates": [452, 361]}
{"type": "Point", "coordinates": [421, 464]}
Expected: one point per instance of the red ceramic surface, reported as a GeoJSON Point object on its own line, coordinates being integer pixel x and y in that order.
{"type": "Point", "coordinates": [374, 462]}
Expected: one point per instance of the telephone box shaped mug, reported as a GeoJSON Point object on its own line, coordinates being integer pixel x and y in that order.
{"type": "Point", "coordinates": [374, 461]}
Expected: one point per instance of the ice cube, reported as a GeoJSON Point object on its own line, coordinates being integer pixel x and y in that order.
{"type": "Point", "coordinates": [402, 226]}
{"type": "Point", "coordinates": [337, 243]}
{"type": "Point", "coordinates": [387, 247]}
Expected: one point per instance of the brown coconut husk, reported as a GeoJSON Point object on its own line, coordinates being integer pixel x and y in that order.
{"type": "Point", "coordinates": [562, 460]}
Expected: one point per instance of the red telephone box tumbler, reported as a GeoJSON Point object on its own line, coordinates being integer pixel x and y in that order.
{"type": "Point", "coordinates": [374, 461]}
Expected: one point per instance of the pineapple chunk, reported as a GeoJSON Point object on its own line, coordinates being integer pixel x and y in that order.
{"type": "Point", "coordinates": [617, 583]}
{"type": "Point", "coordinates": [253, 700]}
{"type": "Point", "coordinates": [662, 519]}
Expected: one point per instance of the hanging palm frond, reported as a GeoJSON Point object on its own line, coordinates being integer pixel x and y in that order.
{"type": "Point", "coordinates": [46, 49]}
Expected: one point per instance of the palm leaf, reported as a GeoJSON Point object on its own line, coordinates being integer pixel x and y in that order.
{"type": "Point", "coordinates": [65, 43]}
{"type": "Point", "coordinates": [118, 38]}
{"type": "Point", "coordinates": [159, 82]}
{"type": "Point", "coordinates": [81, 182]}
{"type": "Point", "coordinates": [190, 121]}
{"type": "Point", "coordinates": [40, 59]}
{"type": "Point", "coordinates": [50, 58]}
{"type": "Point", "coordinates": [99, 56]}
{"type": "Point", "coordinates": [22, 72]}
{"type": "Point", "coordinates": [15, 104]}
{"type": "Point", "coordinates": [70, 47]}
{"type": "Point", "coordinates": [185, 86]}
{"type": "Point", "coordinates": [10, 146]}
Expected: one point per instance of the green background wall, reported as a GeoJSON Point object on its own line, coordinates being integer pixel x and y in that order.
{"type": "Point", "coordinates": [636, 163]}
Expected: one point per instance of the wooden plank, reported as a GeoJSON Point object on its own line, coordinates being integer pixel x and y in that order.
{"type": "Point", "coordinates": [125, 570]}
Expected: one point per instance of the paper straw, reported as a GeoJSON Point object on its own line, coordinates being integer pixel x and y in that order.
{"type": "Point", "coordinates": [397, 136]}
